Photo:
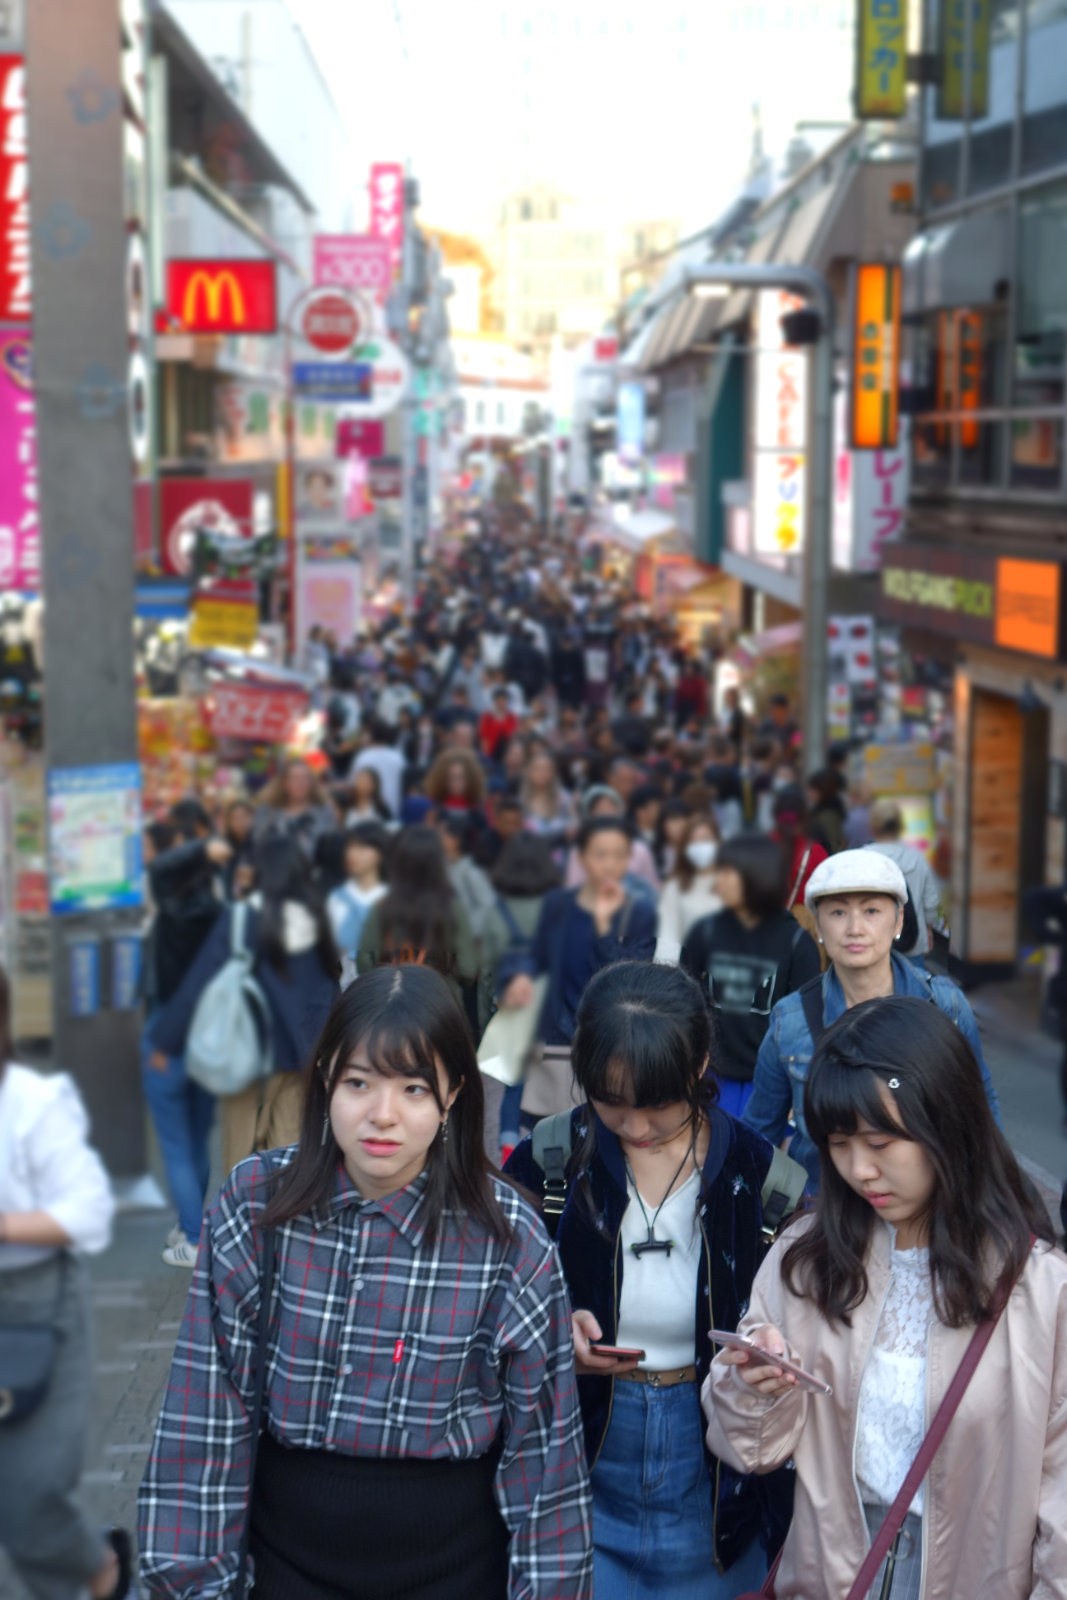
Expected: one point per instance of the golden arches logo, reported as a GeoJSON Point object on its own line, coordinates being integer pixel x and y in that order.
{"type": "Point", "coordinates": [211, 286]}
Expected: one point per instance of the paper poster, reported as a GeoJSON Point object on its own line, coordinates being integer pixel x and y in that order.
{"type": "Point", "coordinates": [94, 838]}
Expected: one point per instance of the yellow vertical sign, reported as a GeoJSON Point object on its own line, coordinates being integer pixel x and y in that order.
{"type": "Point", "coordinates": [952, 102]}
{"type": "Point", "coordinates": [881, 57]}
{"type": "Point", "coordinates": [876, 357]}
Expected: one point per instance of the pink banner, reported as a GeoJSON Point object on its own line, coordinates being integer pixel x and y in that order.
{"type": "Point", "coordinates": [20, 532]}
{"type": "Point", "coordinates": [387, 207]}
{"type": "Point", "coordinates": [357, 261]}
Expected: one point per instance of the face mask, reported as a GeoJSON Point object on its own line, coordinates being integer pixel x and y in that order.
{"type": "Point", "coordinates": [701, 853]}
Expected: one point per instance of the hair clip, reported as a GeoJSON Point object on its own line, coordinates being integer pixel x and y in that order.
{"type": "Point", "coordinates": [894, 1083]}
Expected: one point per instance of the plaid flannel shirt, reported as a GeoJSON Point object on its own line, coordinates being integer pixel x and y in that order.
{"type": "Point", "coordinates": [380, 1346]}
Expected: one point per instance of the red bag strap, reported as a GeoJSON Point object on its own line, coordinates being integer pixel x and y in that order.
{"type": "Point", "coordinates": [930, 1445]}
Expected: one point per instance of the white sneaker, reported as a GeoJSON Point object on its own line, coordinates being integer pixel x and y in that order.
{"type": "Point", "coordinates": [180, 1255]}
{"type": "Point", "coordinates": [175, 1236]}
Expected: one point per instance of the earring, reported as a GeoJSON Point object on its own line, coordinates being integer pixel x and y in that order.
{"type": "Point", "coordinates": [444, 1128]}
{"type": "Point", "coordinates": [325, 1127]}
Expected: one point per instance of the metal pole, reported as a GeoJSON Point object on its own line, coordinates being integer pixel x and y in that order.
{"type": "Point", "coordinates": [292, 564]}
{"type": "Point", "coordinates": [408, 453]}
{"type": "Point", "coordinates": [816, 580]}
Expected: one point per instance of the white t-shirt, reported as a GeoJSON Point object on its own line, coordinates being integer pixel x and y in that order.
{"type": "Point", "coordinates": [47, 1163]}
{"type": "Point", "coordinates": [657, 1307]}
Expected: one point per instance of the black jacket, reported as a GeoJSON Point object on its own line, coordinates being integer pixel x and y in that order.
{"type": "Point", "coordinates": [588, 1239]}
{"type": "Point", "coordinates": [182, 883]}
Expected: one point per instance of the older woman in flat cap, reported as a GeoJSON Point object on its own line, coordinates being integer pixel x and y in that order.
{"type": "Point", "coordinates": [858, 899]}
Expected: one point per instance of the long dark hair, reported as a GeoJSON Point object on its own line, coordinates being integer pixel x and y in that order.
{"type": "Point", "coordinates": [981, 1212]}
{"type": "Point", "coordinates": [417, 916]}
{"type": "Point", "coordinates": [282, 874]}
{"type": "Point", "coordinates": [406, 1019]}
{"type": "Point", "coordinates": [644, 1027]}
{"type": "Point", "coordinates": [525, 868]}
{"type": "Point", "coordinates": [761, 865]}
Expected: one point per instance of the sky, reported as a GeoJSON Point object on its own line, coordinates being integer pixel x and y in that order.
{"type": "Point", "coordinates": [639, 108]}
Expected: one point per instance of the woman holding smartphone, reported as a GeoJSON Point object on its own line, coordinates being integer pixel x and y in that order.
{"type": "Point", "coordinates": [420, 1427]}
{"type": "Point", "coordinates": [922, 1216]}
{"type": "Point", "coordinates": [659, 1234]}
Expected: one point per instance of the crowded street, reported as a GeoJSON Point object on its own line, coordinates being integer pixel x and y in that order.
{"type": "Point", "coordinates": [533, 800]}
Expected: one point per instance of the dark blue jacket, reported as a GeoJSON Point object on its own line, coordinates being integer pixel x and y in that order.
{"type": "Point", "coordinates": [589, 1246]}
{"type": "Point", "coordinates": [300, 998]}
{"type": "Point", "coordinates": [631, 937]}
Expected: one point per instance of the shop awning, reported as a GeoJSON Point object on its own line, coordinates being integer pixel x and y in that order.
{"type": "Point", "coordinates": [753, 647]}
{"type": "Point", "coordinates": [633, 530]}
{"type": "Point", "coordinates": [958, 264]}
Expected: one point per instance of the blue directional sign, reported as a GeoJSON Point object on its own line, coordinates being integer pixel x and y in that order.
{"type": "Point", "coordinates": [334, 380]}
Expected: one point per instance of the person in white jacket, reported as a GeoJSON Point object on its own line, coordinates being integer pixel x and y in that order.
{"type": "Point", "coordinates": [55, 1206]}
{"type": "Point", "coordinates": [689, 892]}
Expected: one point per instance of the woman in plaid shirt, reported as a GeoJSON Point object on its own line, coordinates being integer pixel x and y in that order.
{"type": "Point", "coordinates": [421, 1431]}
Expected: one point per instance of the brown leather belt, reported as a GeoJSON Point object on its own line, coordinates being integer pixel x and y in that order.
{"type": "Point", "coordinates": [660, 1380]}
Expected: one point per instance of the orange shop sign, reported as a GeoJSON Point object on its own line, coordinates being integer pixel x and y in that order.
{"type": "Point", "coordinates": [227, 297]}
{"type": "Point", "coordinates": [875, 357]}
{"type": "Point", "coordinates": [1028, 607]}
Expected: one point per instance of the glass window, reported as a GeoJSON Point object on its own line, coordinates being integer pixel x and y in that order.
{"type": "Point", "coordinates": [995, 54]}
{"type": "Point", "coordinates": [931, 453]}
{"type": "Point", "coordinates": [1045, 85]}
{"type": "Point", "coordinates": [1037, 453]}
{"type": "Point", "coordinates": [1041, 314]}
{"type": "Point", "coordinates": [981, 447]}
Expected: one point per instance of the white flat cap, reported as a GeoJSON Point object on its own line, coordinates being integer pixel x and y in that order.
{"type": "Point", "coordinates": [856, 872]}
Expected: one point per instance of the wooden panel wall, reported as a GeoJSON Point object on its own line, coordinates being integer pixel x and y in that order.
{"type": "Point", "coordinates": [993, 854]}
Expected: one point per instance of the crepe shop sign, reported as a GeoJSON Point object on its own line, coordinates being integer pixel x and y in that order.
{"type": "Point", "coordinates": [260, 716]}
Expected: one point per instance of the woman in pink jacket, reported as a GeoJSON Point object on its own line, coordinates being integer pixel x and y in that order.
{"type": "Point", "coordinates": [922, 1213]}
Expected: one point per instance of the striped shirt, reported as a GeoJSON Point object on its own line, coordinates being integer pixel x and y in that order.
{"type": "Point", "coordinates": [381, 1346]}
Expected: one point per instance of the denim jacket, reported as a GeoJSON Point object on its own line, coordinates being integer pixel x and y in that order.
{"type": "Point", "coordinates": [785, 1055]}
{"type": "Point", "coordinates": [588, 1240]}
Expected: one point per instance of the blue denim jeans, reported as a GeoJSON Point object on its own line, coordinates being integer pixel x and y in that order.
{"type": "Point", "coordinates": [652, 1505]}
{"type": "Point", "coordinates": [183, 1114]}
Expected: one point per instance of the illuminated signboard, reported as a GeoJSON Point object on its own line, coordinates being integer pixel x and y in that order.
{"type": "Point", "coordinates": [780, 499]}
{"type": "Point", "coordinates": [881, 57]}
{"type": "Point", "coordinates": [16, 302]}
{"type": "Point", "coordinates": [1015, 604]}
{"type": "Point", "coordinates": [222, 296]}
{"type": "Point", "coordinates": [952, 102]}
{"type": "Point", "coordinates": [875, 358]}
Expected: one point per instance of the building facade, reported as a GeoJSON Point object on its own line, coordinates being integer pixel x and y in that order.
{"type": "Point", "coordinates": [978, 584]}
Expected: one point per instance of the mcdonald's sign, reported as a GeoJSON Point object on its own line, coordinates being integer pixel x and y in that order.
{"type": "Point", "coordinates": [222, 296]}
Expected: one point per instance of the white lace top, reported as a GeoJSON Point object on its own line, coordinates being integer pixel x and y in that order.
{"type": "Point", "coordinates": [891, 1420]}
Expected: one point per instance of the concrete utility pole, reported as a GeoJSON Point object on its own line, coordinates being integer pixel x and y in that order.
{"type": "Point", "coordinates": [811, 284]}
{"type": "Point", "coordinates": [81, 358]}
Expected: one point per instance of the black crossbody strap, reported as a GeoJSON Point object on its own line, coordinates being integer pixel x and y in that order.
{"type": "Point", "coordinates": [266, 1296]}
{"type": "Point", "coordinates": [811, 999]}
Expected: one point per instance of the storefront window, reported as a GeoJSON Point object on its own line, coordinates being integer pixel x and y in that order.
{"type": "Point", "coordinates": [1041, 315]}
{"type": "Point", "coordinates": [1044, 139]}
{"type": "Point", "coordinates": [981, 453]}
{"type": "Point", "coordinates": [931, 453]}
{"type": "Point", "coordinates": [1037, 453]}
{"type": "Point", "coordinates": [995, 57]}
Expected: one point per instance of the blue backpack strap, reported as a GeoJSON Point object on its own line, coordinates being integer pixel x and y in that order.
{"type": "Point", "coordinates": [517, 935]}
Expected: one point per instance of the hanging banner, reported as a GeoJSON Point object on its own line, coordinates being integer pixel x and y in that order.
{"type": "Point", "coordinates": [952, 102]}
{"type": "Point", "coordinates": [780, 487]}
{"type": "Point", "coordinates": [20, 528]}
{"type": "Point", "coordinates": [875, 357]}
{"type": "Point", "coordinates": [387, 208]}
{"type": "Point", "coordinates": [882, 58]}
{"type": "Point", "coordinates": [357, 261]}
{"type": "Point", "coordinates": [16, 293]}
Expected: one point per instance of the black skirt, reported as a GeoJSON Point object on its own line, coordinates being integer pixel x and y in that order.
{"type": "Point", "coordinates": [334, 1527]}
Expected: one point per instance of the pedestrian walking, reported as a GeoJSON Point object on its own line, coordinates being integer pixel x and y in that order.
{"type": "Point", "coordinates": [414, 1430]}
{"type": "Point", "coordinates": [421, 919]}
{"type": "Point", "coordinates": [858, 899]}
{"type": "Point", "coordinates": [295, 965]}
{"type": "Point", "coordinates": [887, 825]}
{"type": "Point", "coordinates": [55, 1208]}
{"type": "Point", "coordinates": [659, 1221]}
{"type": "Point", "coordinates": [928, 1258]}
{"type": "Point", "coordinates": [689, 892]}
{"type": "Point", "coordinates": [746, 957]}
{"type": "Point", "coordinates": [366, 848]}
{"type": "Point", "coordinates": [295, 805]}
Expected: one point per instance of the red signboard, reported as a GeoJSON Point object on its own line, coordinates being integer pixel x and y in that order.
{"type": "Point", "coordinates": [355, 438]}
{"type": "Point", "coordinates": [262, 716]}
{"type": "Point", "coordinates": [16, 299]}
{"type": "Point", "coordinates": [221, 505]}
{"type": "Point", "coordinates": [386, 478]}
{"type": "Point", "coordinates": [222, 296]}
{"type": "Point", "coordinates": [606, 349]}
{"type": "Point", "coordinates": [331, 323]}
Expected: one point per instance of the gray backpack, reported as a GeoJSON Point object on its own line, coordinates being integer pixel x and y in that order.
{"type": "Point", "coordinates": [229, 1045]}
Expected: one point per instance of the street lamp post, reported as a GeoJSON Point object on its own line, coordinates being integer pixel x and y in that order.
{"type": "Point", "coordinates": [811, 284]}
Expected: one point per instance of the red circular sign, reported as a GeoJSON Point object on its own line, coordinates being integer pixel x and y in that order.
{"type": "Point", "coordinates": [330, 323]}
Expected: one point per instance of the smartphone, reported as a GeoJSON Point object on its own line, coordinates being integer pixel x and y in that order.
{"type": "Point", "coordinates": [763, 1358]}
{"type": "Point", "coordinates": [616, 1350]}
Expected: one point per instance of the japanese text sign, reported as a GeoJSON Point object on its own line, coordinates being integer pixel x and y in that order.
{"type": "Point", "coordinates": [356, 261]}
{"type": "Point", "coordinates": [881, 57]}
{"type": "Point", "coordinates": [387, 207]}
{"type": "Point", "coordinates": [229, 297]}
{"type": "Point", "coordinates": [261, 716]}
{"type": "Point", "coordinates": [20, 531]}
{"type": "Point", "coordinates": [16, 302]}
{"type": "Point", "coordinates": [875, 357]}
{"type": "Point", "coordinates": [780, 511]}
{"type": "Point", "coordinates": [953, 102]}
